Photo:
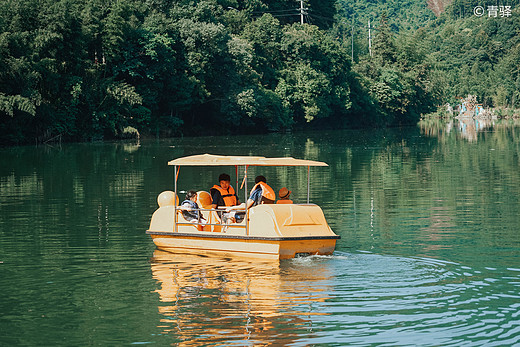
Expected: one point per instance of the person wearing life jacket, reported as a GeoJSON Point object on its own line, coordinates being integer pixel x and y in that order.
{"type": "Point", "coordinates": [223, 194]}
{"type": "Point", "coordinates": [260, 194]}
{"type": "Point", "coordinates": [190, 209]}
{"type": "Point", "coordinates": [283, 194]}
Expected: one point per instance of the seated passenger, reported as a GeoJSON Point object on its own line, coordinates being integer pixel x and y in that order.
{"type": "Point", "coordinates": [260, 194]}
{"type": "Point", "coordinates": [283, 194]}
{"type": "Point", "coordinates": [190, 209]}
{"type": "Point", "coordinates": [223, 194]}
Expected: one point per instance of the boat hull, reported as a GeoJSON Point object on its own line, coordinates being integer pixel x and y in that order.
{"type": "Point", "coordinates": [272, 231]}
{"type": "Point", "coordinates": [247, 246]}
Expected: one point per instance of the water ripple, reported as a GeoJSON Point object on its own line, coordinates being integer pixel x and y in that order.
{"type": "Point", "coordinates": [348, 298]}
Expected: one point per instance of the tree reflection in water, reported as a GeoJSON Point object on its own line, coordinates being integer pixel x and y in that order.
{"type": "Point", "coordinates": [466, 127]}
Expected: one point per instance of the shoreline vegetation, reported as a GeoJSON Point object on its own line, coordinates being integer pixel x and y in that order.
{"type": "Point", "coordinates": [468, 108]}
{"type": "Point", "coordinates": [468, 118]}
{"type": "Point", "coordinates": [493, 113]}
{"type": "Point", "coordinates": [92, 70]}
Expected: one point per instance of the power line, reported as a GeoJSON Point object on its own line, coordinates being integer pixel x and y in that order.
{"type": "Point", "coordinates": [321, 17]}
{"type": "Point", "coordinates": [306, 14]}
{"type": "Point", "coordinates": [274, 11]}
{"type": "Point", "coordinates": [309, 19]}
{"type": "Point", "coordinates": [286, 15]}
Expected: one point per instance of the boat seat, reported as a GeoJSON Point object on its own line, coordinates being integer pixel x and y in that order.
{"type": "Point", "coordinates": [203, 199]}
{"type": "Point", "coordinates": [181, 219]}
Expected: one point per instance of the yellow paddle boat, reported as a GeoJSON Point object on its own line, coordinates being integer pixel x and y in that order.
{"type": "Point", "coordinates": [270, 231]}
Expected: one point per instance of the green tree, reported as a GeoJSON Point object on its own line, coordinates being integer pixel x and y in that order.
{"type": "Point", "coordinates": [383, 47]}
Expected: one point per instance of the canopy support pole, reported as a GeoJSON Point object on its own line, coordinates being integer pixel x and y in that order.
{"type": "Point", "coordinates": [176, 175]}
{"type": "Point", "coordinates": [236, 175]}
{"type": "Point", "coordinates": [245, 199]}
{"type": "Point", "coordinates": [308, 184]}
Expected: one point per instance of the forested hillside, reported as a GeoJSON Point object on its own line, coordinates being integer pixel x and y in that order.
{"type": "Point", "coordinates": [103, 69]}
{"type": "Point", "coordinates": [462, 51]}
{"type": "Point", "coordinates": [98, 69]}
{"type": "Point", "coordinates": [402, 15]}
{"type": "Point", "coordinates": [478, 55]}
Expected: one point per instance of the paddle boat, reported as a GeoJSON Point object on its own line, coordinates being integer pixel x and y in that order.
{"type": "Point", "coordinates": [269, 231]}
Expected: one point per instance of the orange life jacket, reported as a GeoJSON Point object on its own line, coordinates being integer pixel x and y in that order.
{"type": "Point", "coordinates": [284, 201]}
{"type": "Point", "coordinates": [267, 192]}
{"type": "Point", "coordinates": [229, 196]}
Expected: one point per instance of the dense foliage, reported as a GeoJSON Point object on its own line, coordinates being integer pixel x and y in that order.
{"type": "Point", "coordinates": [402, 15]}
{"type": "Point", "coordinates": [458, 52]}
{"type": "Point", "coordinates": [97, 69]}
{"type": "Point", "coordinates": [477, 55]}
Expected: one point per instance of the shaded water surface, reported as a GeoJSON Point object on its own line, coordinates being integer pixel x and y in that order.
{"type": "Point", "coordinates": [429, 255]}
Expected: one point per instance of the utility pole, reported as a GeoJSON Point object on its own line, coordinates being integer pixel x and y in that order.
{"type": "Point", "coordinates": [301, 12]}
{"type": "Point", "coordinates": [369, 39]}
{"type": "Point", "coordinates": [352, 34]}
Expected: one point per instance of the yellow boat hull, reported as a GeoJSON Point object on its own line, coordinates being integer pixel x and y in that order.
{"type": "Point", "coordinates": [255, 247]}
{"type": "Point", "coordinates": [271, 232]}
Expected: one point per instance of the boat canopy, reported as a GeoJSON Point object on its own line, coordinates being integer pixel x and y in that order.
{"type": "Point", "coordinates": [221, 160]}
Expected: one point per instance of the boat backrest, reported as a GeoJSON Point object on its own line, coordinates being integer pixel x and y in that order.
{"type": "Point", "coordinates": [167, 198]}
{"type": "Point", "coordinates": [203, 199]}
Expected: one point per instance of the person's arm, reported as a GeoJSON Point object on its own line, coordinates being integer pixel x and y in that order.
{"type": "Point", "coordinates": [215, 198]}
{"type": "Point", "coordinates": [250, 202]}
{"type": "Point", "coordinates": [184, 207]}
{"type": "Point", "coordinates": [236, 207]}
{"type": "Point", "coordinates": [242, 206]}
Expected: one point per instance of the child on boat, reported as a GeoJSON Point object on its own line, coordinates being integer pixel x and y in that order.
{"type": "Point", "coordinates": [190, 209]}
{"type": "Point", "coordinates": [284, 194]}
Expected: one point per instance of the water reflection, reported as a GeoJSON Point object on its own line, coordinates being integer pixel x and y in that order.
{"type": "Point", "coordinates": [345, 299]}
{"type": "Point", "coordinates": [467, 127]}
{"type": "Point", "coordinates": [439, 230]}
{"type": "Point", "coordinates": [470, 127]}
{"type": "Point", "coordinates": [438, 213]}
{"type": "Point", "coordinates": [208, 300]}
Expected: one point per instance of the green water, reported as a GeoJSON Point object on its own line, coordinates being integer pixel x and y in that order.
{"type": "Point", "coordinates": [429, 254]}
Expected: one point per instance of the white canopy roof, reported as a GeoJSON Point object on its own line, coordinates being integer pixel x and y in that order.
{"type": "Point", "coordinates": [221, 160]}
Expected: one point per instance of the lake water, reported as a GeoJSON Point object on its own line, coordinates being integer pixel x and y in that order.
{"type": "Point", "coordinates": [429, 252]}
